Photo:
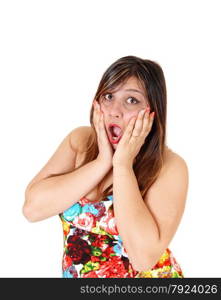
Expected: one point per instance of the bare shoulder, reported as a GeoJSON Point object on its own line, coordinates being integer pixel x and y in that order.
{"type": "Point", "coordinates": [173, 176]}
{"type": "Point", "coordinates": [175, 163]}
{"type": "Point", "coordinates": [79, 137]}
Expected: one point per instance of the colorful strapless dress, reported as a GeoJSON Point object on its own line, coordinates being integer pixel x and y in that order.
{"type": "Point", "coordinates": [94, 248]}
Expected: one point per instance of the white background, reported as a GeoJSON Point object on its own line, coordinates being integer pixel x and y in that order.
{"type": "Point", "coordinates": [52, 56]}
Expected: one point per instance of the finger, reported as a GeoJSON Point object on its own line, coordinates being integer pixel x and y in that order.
{"type": "Point", "coordinates": [96, 117]}
{"type": "Point", "coordinates": [103, 133]}
{"type": "Point", "coordinates": [148, 123]}
{"type": "Point", "coordinates": [151, 119]}
{"type": "Point", "coordinates": [139, 123]}
{"type": "Point", "coordinates": [146, 120]}
{"type": "Point", "coordinates": [96, 111]}
{"type": "Point", "coordinates": [101, 118]}
{"type": "Point", "coordinates": [129, 129]}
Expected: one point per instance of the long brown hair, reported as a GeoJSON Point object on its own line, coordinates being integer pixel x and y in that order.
{"type": "Point", "coordinates": [149, 160]}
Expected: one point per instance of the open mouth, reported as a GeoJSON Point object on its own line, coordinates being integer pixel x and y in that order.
{"type": "Point", "coordinates": [115, 133]}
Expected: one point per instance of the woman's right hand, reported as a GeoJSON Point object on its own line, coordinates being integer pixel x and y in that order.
{"type": "Point", "coordinates": [105, 155]}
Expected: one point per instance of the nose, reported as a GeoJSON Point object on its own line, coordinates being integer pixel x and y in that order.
{"type": "Point", "coordinates": [115, 109]}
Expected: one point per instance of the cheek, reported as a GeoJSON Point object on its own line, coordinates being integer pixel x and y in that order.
{"type": "Point", "coordinates": [131, 115]}
{"type": "Point", "coordinates": [128, 117]}
{"type": "Point", "coordinates": [103, 108]}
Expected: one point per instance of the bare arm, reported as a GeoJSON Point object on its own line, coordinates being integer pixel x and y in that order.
{"type": "Point", "coordinates": [154, 219]}
{"type": "Point", "coordinates": [53, 195]}
{"type": "Point", "coordinates": [59, 184]}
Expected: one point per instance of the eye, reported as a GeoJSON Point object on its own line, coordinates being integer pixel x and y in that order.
{"type": "Point", "coordinates": [106, 95]}
{"type": "Point", "coordinates": [137, 101]}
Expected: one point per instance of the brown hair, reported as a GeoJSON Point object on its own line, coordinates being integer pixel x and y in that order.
{"type": "Point", "coordinates": [150, 158]}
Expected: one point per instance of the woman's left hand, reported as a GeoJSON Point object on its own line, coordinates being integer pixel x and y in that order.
{"type": "Point", "coordinates": [133, 138]}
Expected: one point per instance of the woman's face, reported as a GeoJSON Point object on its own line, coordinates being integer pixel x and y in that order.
{"type": "Point", "coordinates": [121, 104]}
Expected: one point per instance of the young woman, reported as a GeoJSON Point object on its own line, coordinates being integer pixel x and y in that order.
{"type": "Point", "coordinates": [119, 191]}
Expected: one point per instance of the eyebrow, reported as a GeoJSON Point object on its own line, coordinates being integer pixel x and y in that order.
{"type": "Point", "coordinates": [136, 91]}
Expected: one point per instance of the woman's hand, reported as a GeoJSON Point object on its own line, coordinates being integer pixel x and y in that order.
{"type": "Point", "coordinates": [133, 138]}
{"type": "Point", "coordinates": [105, 149]}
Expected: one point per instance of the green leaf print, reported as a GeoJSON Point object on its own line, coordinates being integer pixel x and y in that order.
{"type": "Point", "coordinates": [96, 251]}
{"type": "Point", "coordinates": [102, 258]}
{"type": "Point", "coordinates": [98, 230]}
{"type": "Point", "coordinates": [89, 266]}
{"type": "Point", "coordinates": [175, 275]}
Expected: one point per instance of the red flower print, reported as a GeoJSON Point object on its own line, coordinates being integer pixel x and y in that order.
{"type": "Point", "coordinates": [101, 241]}
{"type": "Point", "coordinates": [79, 232]}
{"type": "Point", "coordinates": [67, 262]}
{"type": "Point", "coordinates": [72, 238]}
{"type": "Point", "coordinates": [107, 252]}
{"type": "Point", "coordinates": [85, 221]}
{"type": "Point", "coordinates": [100, 208]}
{"type": "Point", "coordinates": [108, 223]}
{"type": "Point", "coordinates": [113, 268]}
{"type": "Point", "coordinates": [91, 274]}
{"type": "Point", "coordinates": [95, 258]}
{"type": "Point", "coordinates": [78, 250]}
{"type": "Point", "coordinates": [84, 201]}
{"type": "Point", "coordinates": [174, 263]}
{"type": "Point", "coordinates": [163, 261]}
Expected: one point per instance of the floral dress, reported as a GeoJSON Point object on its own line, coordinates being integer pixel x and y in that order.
{"type": "Point", "coordinates": [93, 247]}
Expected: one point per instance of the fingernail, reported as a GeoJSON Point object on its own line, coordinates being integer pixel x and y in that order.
{"type": "Point", "coordinates": [148, 109]}
{"type": "Point", "coordinates": [153, 114]}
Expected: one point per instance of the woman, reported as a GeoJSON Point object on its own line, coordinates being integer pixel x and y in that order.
{"type": "Point", "coordinates": [120, 192]}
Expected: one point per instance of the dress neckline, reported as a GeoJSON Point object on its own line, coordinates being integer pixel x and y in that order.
{"type": "Point", "coordinates": [108, 198]}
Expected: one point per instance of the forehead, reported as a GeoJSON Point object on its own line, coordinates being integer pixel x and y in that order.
{"type": "Point", "coordinates": [133, 81]}
{"type": "Point", "coordinates": [131, 84]}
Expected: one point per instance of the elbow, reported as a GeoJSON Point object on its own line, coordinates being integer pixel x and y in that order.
{"type": "Point", "coordinates": [29, 214]}
{"type": "Point", "coordinates": [142, 266]}
{"type": "Point", "coordinates": [145, 259]}
{"type": "Point", "coordinates": [143, 263]}
{"type": "Point", "coordinates": [28, 211]}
